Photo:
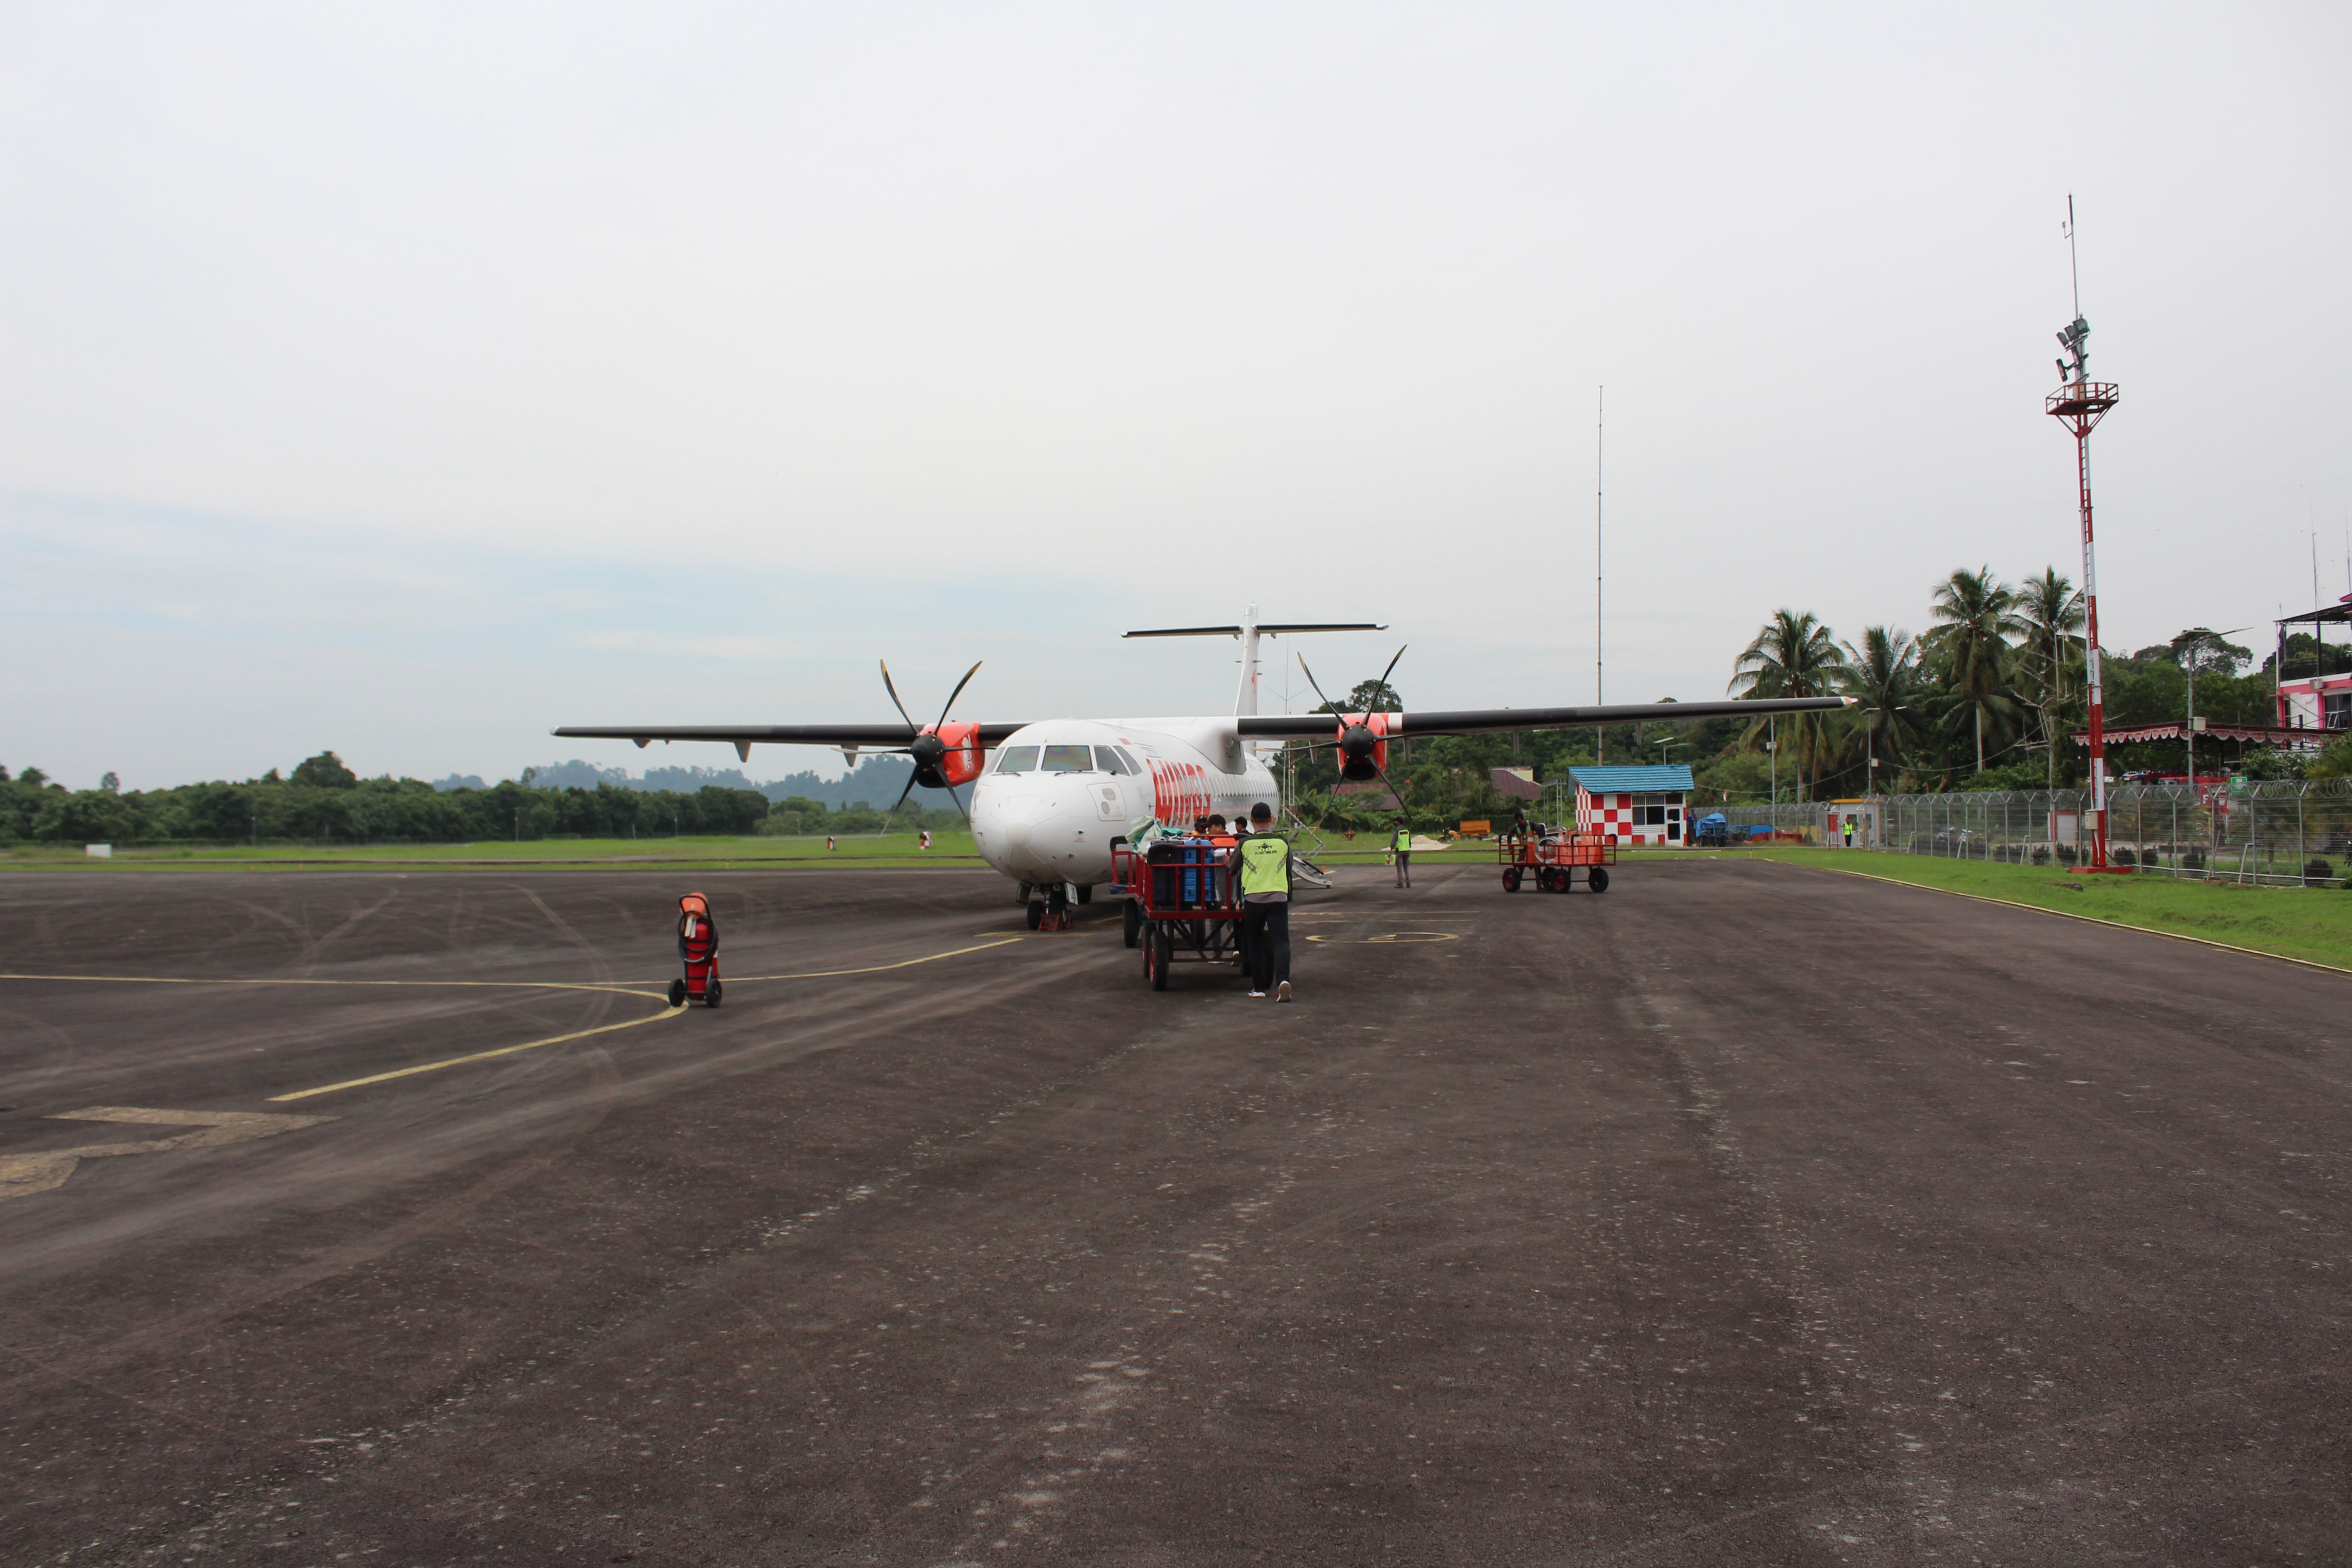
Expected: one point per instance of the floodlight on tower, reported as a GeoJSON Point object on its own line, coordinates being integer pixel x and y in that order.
{"type": "Point", "coordinates": [2079, 404]}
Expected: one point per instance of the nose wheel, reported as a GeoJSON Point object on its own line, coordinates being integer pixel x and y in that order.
{"type": "Point", "coordinates": [1052, 912]}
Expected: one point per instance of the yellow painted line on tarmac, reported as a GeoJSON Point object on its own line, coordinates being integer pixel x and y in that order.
{"type": "Point", "coordinates": [877, 968]}
{"type": "Point", "coordinates": [621, 989]}
{"type": "Point", "coordinates": [1388, 937]}
{"type": "Point", "coordinates": [667, 1012]}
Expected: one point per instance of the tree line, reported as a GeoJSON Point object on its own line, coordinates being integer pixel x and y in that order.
{"type": "Point", "coordinates": [1989, 696]}
{"type": "Point", "coordinates": [324, 800]}
{"type": "Point", "coordinates": [1992, 696]}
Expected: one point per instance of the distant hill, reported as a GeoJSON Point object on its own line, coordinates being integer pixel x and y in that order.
{"type": "Point", "coordinates": [877, 782]}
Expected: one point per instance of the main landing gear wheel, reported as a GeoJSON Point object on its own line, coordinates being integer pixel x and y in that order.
{"type": "Point", "coordinates": [1037, 914]}
{"type": "Point", "coordinates": [1163, 954]}
{"type": "Point", "coordinates": [1134, 923]}
{"type": "Point", "coordinates": [1511, 879]}
{"type": "Point", "coordinates": [1598, 878]}
{"type": "Point", "coordinates": [678, 993]}
{"type": "Point", "coordinates": [711, 994]}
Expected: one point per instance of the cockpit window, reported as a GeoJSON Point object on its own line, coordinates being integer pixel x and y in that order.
{"type": "Point", "coordinates": [1068, 759]}
{"type": "Point", "coordinates": [1108, 758]}
{"type": "Point", "coordinates": [1017, 760]}
{"type": "Point", "coordinates": [1132, 765]}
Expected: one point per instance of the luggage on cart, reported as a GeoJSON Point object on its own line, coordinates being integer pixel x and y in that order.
{"type": "Point", "coordinates": [697, 953]}
{"type": "Point", "coordinates": [1183, 903]}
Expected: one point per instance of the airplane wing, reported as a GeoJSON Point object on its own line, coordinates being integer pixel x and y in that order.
{"type": "Point", "coordinates": [1478, 721]}
{"type": "Point", "coordinates": [843, 737]}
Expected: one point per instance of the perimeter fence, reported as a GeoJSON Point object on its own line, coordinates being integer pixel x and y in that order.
{"type": "Point", "coordinates": [2278, 832]}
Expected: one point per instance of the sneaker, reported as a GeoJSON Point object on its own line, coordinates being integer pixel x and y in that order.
{"type": "Point", "coordinates": [1282, 992]}
{"type": "Point", "coordinates": [1257, 995]}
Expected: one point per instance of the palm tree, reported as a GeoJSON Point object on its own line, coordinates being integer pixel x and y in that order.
{"type": "Point", "coordinates": [1977, 612]}
{"type": "Point", "coordinates": [2051, 612]}
{"type": "Point", "coordinates": [1794, 656]}
{"type": "Point", "coordinates": [1883, 678]}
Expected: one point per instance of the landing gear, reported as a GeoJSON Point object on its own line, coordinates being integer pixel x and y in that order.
{"type": "Point", "coordinates": [1053, 912]}
{"type": "Point", "coordinates": [1133, 924]}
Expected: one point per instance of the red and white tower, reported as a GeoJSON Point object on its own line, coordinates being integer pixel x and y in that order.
{"type": "Point", "coordinates": [2079, 404]}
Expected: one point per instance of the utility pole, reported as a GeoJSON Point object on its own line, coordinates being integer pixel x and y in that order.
{"type": "Point", "coordinates": [1599, 430]}
{"type": "Point", "coordinates": [2079, 404]}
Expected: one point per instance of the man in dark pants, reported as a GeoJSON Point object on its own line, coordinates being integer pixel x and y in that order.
{"type": "Point", "coordinates": [1263, 858]}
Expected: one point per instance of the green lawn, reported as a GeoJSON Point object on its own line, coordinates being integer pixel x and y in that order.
{"type": "Point", "coordinates": [951, 849]}
{"type": "Point", "coordinates": [2313, 923]}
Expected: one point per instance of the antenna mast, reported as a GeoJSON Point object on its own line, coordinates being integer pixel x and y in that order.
{"type": "Point", "coordinates": [2079, 404]}
{"type": "Point", "coordinates": [1599, 430]}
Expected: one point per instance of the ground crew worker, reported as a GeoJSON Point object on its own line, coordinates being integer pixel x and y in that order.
{"type": "Point", "coordinates": [1264, 857]}
{"type": "Point", "coordinates": [1849, 832]}
{"type": "Point", "coordinates": [1402, 844]}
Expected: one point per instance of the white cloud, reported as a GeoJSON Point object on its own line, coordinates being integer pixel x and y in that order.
{"type": "Point", "coordinates": [781, 339]}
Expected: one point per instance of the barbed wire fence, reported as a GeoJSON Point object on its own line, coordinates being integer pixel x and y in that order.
{"type": "Point", "coordinates": [2274, 832]}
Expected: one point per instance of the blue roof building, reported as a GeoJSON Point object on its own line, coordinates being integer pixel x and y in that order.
{"type": "Point", "coordinates": [1638, 805]}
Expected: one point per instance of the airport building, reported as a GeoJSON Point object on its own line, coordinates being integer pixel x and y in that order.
{"type": "Point", "coordinates": [1639, 805]}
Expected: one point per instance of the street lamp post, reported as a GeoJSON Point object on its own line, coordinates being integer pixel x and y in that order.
{"type": "Point", "coordinates": [1870, 743]}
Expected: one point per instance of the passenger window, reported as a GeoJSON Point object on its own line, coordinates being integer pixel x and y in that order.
{"type": "Point", "coordinates": [1108, 758]}
{"type": "Point", "coordinates": [1068, 759]}
{"type": "Point", "coordinates": [1017, 760]}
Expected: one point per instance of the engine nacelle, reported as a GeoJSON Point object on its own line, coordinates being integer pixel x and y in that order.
{"type": "Point", "coordinates": [1363, 744]}
{"type": "Point", "coordinates": [964, 756]}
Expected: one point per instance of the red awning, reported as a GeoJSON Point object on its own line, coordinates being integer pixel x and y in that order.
{"type": "Point", "coordinates": [2259, 734]}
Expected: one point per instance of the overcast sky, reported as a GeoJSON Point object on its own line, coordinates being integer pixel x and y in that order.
{"type": "Point", "coordinates": [408, 380]}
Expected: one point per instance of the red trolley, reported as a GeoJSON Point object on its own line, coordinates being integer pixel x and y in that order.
{"type": "Point", "coordinates": [1551, 861]}
{"type": "Point", "coordinates": [1183, 903]}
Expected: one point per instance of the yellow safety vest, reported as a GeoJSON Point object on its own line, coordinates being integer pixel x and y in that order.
{"type": "Point", "coordinates": [1266, 864]}
{"type": "Point", "coordinates": [1404, 840]}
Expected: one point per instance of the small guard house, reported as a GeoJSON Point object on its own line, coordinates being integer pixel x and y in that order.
{"type": "Point", "coordinates": [1633, 805]}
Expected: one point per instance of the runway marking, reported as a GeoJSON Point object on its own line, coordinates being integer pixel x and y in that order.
{"type": "Point", "coordinates": [876, 968]}
{"type": "Point", "coordinates": [619, 989]}
{"type": "Point", "coordinates": [1386, 938]}
{"type": "Point", "coordinates": [667, 1012]}
{"type": "Point", "coordinates": [22, 1175]}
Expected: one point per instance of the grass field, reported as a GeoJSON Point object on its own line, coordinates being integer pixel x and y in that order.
{"type": "Point", "coordinates": [895, 849]}
{"type": "Point", "coordinates": [2311, 923]}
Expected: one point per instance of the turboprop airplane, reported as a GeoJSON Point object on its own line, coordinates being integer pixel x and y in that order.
{"type": "Point", "coordinates": [1048, 796]}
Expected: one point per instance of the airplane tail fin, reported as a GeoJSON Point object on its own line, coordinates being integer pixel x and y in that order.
{"type": "Point", "coordinates": [1249, 631]}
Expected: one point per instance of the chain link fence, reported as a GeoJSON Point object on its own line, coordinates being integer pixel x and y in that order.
{"type": "Point", "coordinates": [2281, 832]}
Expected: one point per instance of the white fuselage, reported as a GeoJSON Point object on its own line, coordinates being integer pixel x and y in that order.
{"type": "Point", "coordinates": [1055, 794]}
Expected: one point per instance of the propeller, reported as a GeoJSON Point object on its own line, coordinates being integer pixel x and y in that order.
{"type": "Point", "coordinates": [928, 752]}
{"type": "Point", "coordinates": [1359, 746]}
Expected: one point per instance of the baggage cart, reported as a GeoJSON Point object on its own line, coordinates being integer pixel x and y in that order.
{"type": "Point", "coordinates": [1183, 903]}
{"type": "Point", "coordinates": [1551, 861]}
